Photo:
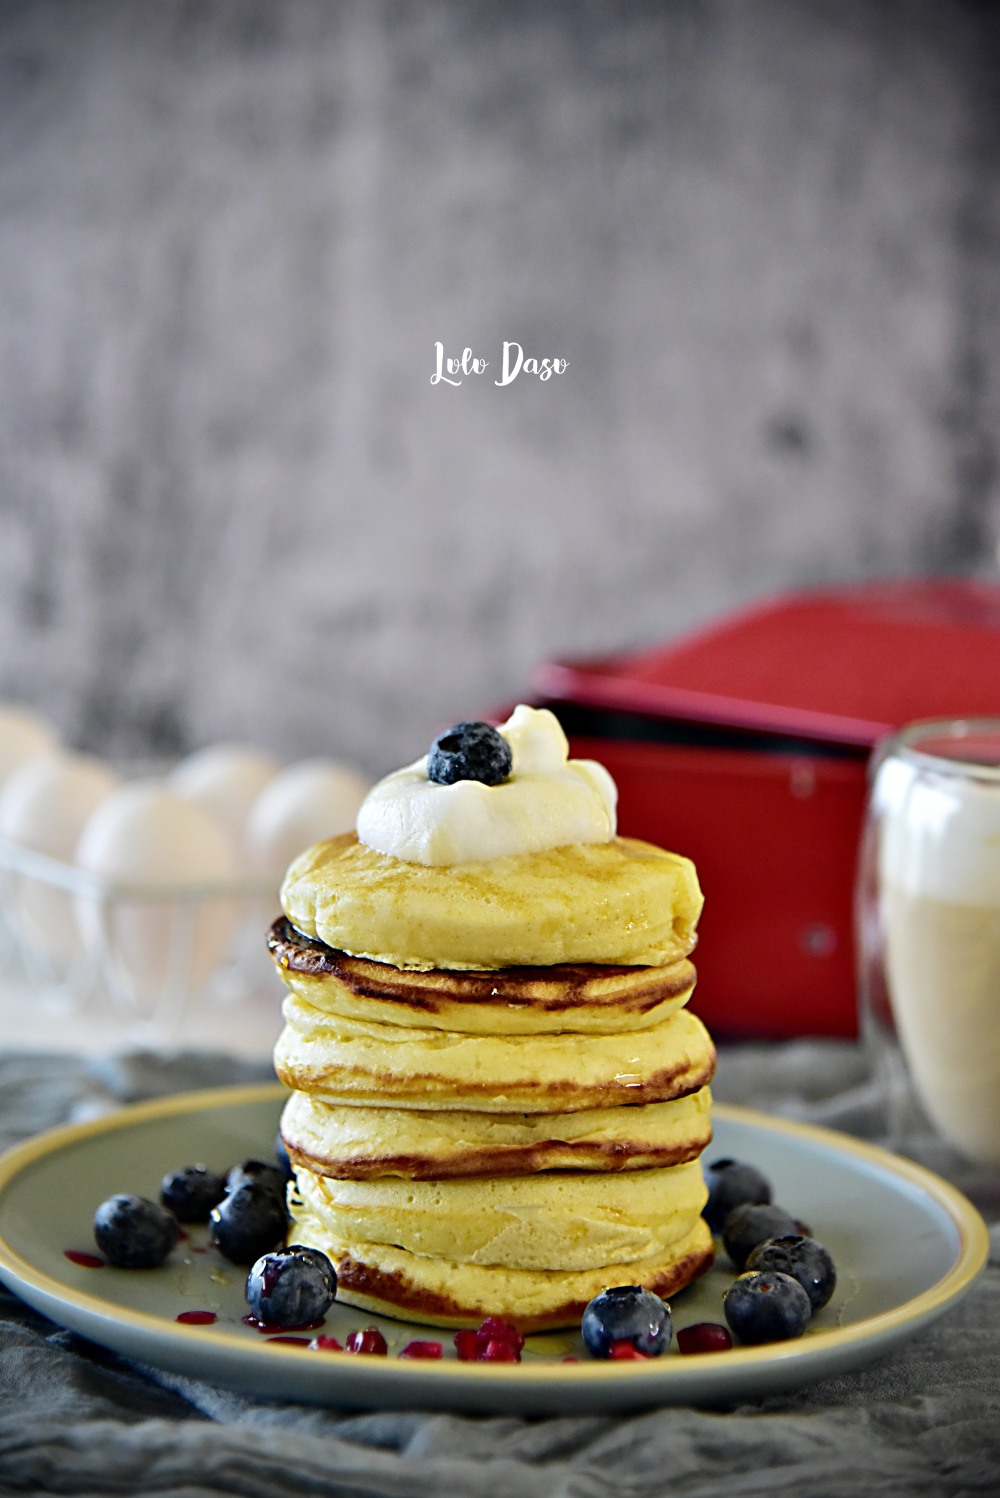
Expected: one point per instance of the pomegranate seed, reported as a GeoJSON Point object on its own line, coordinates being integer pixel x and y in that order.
{"type": "Point", "coordinates": [422, 1350]}
{"type": "Point", "coordinates": [467, 1345]}
{"type": "Point", "coordinates": [704, 1336]}
{"type": "Point", "coordinates": [494, 1327]}
{"type": "Point", "coordinates": [370, 1340]}
{"type": "Point", "coordinates": [571, 1360]}
{"type": "Point", "coordinates": [326, 1344]}
{"type": "Point", "coordinates": [623, 1350]}
{"type": "Point", "coordinates": [495, 1341]}
{"type": "Point", "coordinates": [84, 1260]}
{"type": "Point", "coordinates": [499, 1350]}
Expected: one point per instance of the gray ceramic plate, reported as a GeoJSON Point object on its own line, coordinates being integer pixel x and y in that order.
{"type": "Point", "coordinates": [906, 1244]}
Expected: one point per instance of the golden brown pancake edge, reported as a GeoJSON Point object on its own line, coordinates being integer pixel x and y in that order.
{"type": "Point", "coordinates": [394, 1293]}
{"type": "Point", "coordinates": [634, 1148]}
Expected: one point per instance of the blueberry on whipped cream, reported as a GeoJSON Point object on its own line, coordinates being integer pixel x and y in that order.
{"type": "Point", "coordinates": [470, 751]}
{"type": "Point", "coordinates": [484, 793]}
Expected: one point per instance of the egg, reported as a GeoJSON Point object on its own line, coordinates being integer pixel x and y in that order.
{"type": "Point", "coordinates": [313, 799]}
{"type": "Point", "coordinates": [23, 735]}
{"type": "Point", "coordinates": [225, 779]}
{"type": "Point", "coordinates": [44, 805]}
{"type": "Point", "coordinates": [155, 951]}
{"type": "Point", "coordinates": [46, 802]}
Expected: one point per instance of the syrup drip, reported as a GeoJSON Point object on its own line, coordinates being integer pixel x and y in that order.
{"type": "Point", "coordinates": [269, 1328]}
{"type": "Point", "coordinates": [197, 1318]}
{"type": "Point", "coordinates": [85, 1261]}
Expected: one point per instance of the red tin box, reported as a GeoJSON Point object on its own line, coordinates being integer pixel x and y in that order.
{"type": "Point", "coordinates": [745, 745]}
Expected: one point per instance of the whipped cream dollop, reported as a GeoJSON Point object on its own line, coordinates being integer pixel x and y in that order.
{"type": "Point", "coordinates": [547, 801]}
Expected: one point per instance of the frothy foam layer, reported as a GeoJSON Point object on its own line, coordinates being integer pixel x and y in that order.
{"type": "Point", "coordinates": [940, 839]}
{"type": "Point", "coordinates": [548, 801]}
{"type": "Point", "coordinates": [939, 912]}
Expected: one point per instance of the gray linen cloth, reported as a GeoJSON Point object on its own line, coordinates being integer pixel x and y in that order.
{"type": "Point", "coordinates": [77, 1420]}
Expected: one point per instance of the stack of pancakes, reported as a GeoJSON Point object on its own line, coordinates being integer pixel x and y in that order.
{"type": "Point", "coordinates": [486, 1117]}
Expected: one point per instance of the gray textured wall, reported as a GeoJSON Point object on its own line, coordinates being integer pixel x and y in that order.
{"type": "Point", "coordinates": [764, 233]}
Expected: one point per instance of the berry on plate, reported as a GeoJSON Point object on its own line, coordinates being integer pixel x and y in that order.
{"type": "Point", "coordinates": [749, 1225]}
{"type": "Point", "coordinates": [703, 1336]}
{"type": "Point", "coordinates": [133, 1232]}
{"type": "Point", "coordinates": [369, 1341]}
{"type": "Point", "coordinates": [281, 1157]}
{"type": "Point", "coordinates": [292, 1286]}
{"type": "Point", "coordinates": [626, 1313]}
{"type": "Point", "coordinates": [250, 1221]}
{"type": "Point", "coordinates": [495, 1341]}
{"type": "Point", "coordinates": [191, 1192]}
{"type": "Point", "coordinates": [263, 1172]}
{"type": "Point", "coordinates": [766, 1306]}
{"type": "Point", "coordinates": [731, 1184]}
{"type": "Point", "coordinates": [804, 1259]}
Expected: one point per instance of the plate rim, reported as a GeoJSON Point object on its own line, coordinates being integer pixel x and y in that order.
{"type": "Point", "coordinates": [970, 1258]}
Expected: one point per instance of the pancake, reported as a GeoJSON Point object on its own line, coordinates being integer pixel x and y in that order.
{"type": "Point", "coordinates": [359, 1062]}
{"type": "Point", "coordinates": [619, 902]}
{"type": "Point", "coordinates": [558, 1220]}
{"type": "Point", "coordinates": [499, 1098]}
{"type": "Point", "coordinates": [361, 1143]}
{"type": "Point", "coordinates": [441, 1292]}
{"type": "Point", "coordinates": [585, 998]}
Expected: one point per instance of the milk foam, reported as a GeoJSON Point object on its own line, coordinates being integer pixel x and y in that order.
{"type": "Point", "coordinates": [939, 909]}
{"type": "Point", "coordinates": [940, 837]}
{"type": "Point", "coordinates": [548, 801]}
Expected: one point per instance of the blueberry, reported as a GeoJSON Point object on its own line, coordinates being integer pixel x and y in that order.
{"type": "Point", "coordinates": [731, 1183]}
{"type": "Point", "coordinates": [265, 1172]}
{"type": "Point", "coordinates": [191, 1192]}
{"type": "Point", "coordinates": [804, 1259]}
{"type": "Point", "coordinates": [291, 1287]}
{"type": "Point", "coordinates": [282, 1157]}
{"type": "Point", "coordinates": [626, 1313]}
{"type": "Point", "coordinates": [250, 1221]}
{"type": "Point", "coordinates": [133, 1232]}
{"type": "Point", "coordinates": [749, 1225]}
{"type": "Point", "coordinates": [766, 1306]}
{"type": "Point", "coordinates": [469, 751]}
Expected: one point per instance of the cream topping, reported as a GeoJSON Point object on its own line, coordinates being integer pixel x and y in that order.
{"type": "Point", "coordinates": [547, 801]}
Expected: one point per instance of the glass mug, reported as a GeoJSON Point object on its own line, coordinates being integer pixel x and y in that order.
{"type": "Point", "coordinates": [928, 934]}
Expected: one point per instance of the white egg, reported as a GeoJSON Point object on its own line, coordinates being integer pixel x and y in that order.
{"type": "Point", "coordinates": [313, 799]}
{"type": "Point", "coordinates": [23, 734]}
{"type": "Point", "coordinates": [225, 779]}
{"type": "Point", "coordinates": [154, 951]}
{"type": "Point", "coordinates": [46, 802]}
{"type": "Point", "coordinates": [44, 805]}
